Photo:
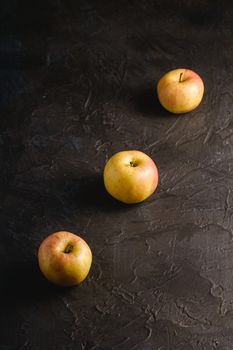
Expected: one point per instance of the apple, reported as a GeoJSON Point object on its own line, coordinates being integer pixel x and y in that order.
{"type": "Point", "coordinates": [130, 176]}
{"type": "Point", "coordinates": [64, 258]}
{"type": "Point", "coordinates": [180, 90]}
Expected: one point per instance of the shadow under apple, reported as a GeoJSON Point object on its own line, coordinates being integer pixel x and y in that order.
{"type": "Point", "coordinates": [24, 283]}
{"type": "Point", "coordinates": [84, 194]}
{"type": "Point", "coordinates": [147, 103]}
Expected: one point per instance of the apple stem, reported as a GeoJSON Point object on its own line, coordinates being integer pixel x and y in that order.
{"type": "Point", "coordinates": [68, 249]}
{"type": "Point", "coordinates": [180, 81]}
{"type": "Point", "coordinates": [133, 164]}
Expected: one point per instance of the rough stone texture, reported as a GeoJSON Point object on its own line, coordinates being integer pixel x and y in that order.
{"type": "Point", "coordinates": [78, 83]}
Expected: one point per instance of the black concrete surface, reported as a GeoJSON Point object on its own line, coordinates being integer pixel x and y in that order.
{"type": "Point", "coordinates": [78, 83]}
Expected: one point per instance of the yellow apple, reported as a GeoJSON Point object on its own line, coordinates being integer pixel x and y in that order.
{"type": "Point", "coordinates": [64, 258]}
{"type": "Point", "coordinates": [130, 176]}
{"type": "Point", "coordinates": [180, 90]}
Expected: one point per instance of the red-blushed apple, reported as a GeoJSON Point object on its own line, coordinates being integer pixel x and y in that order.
{"type": "Point", "coordinates": [180, 90]}
{"type": "Point", "coordinates": [130, 176]}
{"type": "Point", "coordinates": [64, 258]}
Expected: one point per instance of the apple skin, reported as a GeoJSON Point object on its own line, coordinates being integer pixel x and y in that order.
{"type": "Point", "coordinates": [64, 268]}
{"type": "Point", "coordinates": [130, 176]}
{"type": "Point", "coordinates": [180, 90]}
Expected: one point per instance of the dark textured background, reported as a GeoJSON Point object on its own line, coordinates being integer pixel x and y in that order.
{"type": "Point", "coordinates": [78, 82]}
